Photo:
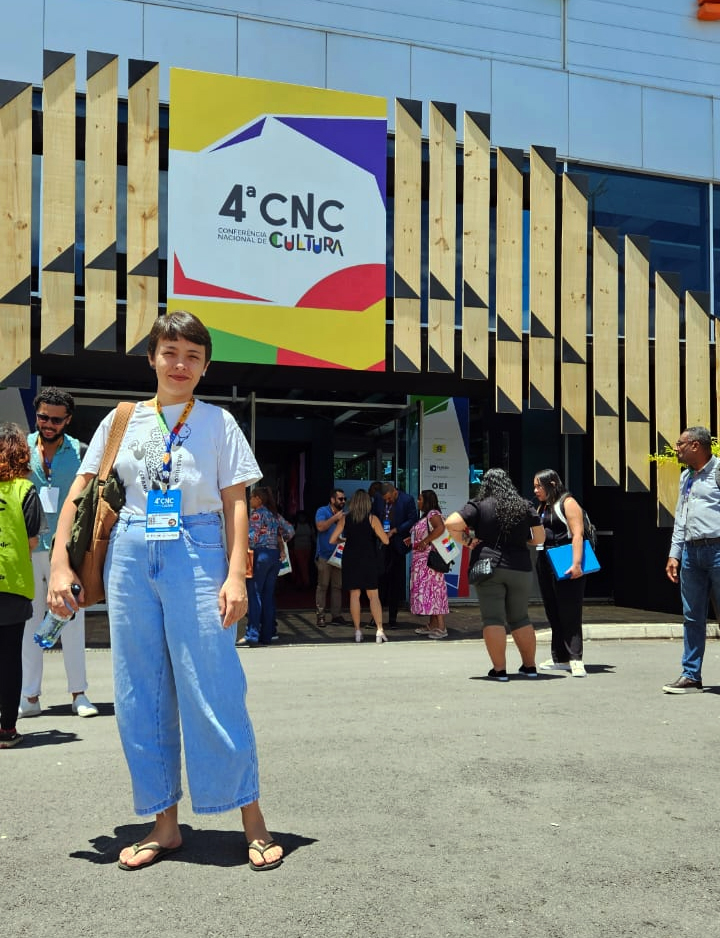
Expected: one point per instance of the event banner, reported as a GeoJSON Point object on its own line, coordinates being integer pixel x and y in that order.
{"type": "Point", "coordinates": [277, 219]}
{"type": "Point", "coordinates": [444, 466]}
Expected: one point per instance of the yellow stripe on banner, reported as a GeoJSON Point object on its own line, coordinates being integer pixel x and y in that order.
{"type": "Point", "coordinates": [212, 106]}
{"type": "Point", "coordinates": [309, 332]}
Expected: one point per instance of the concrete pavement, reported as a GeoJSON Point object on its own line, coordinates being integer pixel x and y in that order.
{"type": "Point", "coordinates": [414, 796]}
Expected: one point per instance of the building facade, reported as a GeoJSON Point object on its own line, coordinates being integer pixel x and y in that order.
{"type": "Point", "coordinates": [573, 301]}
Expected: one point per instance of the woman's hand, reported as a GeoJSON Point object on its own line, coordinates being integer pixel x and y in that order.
{"type": "Point", "coordinates": [59, 595]}
{"type": "Point", "coordinates": [574, 572]}
{"type": "Point", "coordinates": [233, 601]}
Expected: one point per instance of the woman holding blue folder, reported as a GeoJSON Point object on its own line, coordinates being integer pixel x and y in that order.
{"type": "Point", "coordinates": [562, 518]}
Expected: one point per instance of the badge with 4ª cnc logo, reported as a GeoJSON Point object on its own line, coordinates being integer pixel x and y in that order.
{"type": "Point", "coordinates": [163, 515]}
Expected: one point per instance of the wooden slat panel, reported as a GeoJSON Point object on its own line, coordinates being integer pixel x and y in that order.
{"type": "Point", "coordinates": [667, 389]}
{"type": "Point", "coordinates": [476, 246]}
{"type": "Point", "coordinates": [637, 364]}
{"type": "Point", "coordinates": [541, 351]}
{"type": "Point", "coordinates": [15, 227]}
{"type": "Point", "coordinates": [100, 202]}
{"type": "Point", "coordinates": [508, 282]}
{"type": "Point", "coordinates": [442, 230]}
{"type": "Point", "coordinates": [57, 250]}
{"type": "Point", "coordinates": [407, 235]}
{"type": "Point", "coordinates": [573, 305]}
{"type": "Point", "coordinates": [606, 399]}
{"type": "Point", "coordinates": [697, 359]}
{"type": "Point", "coordinates": [143, 183]}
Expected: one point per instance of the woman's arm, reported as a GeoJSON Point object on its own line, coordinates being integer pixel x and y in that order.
{"type": "Point", "coordinates": [573, 513]}
{"type": "Point", "coordinates": [378, 529]}
{"type": "Point", "coordinates": [339, 528]}
{"type": "Point", "coordinates": [437, 527]}
{"type": "Point", "coordinates": [62, 576]}
{"type": "Point", "coordinates": [233, 592]}
{"type": "Point", "coordinates": [537, 535]}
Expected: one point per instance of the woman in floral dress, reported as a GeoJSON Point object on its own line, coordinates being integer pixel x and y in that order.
{"type": "Point", "coordinates": [428, 589]}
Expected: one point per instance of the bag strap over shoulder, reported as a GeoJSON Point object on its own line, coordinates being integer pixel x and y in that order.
{"type": "Point", "coordinates": [123, 413]}
{"type": "Point", "coordinates": [557, 508]}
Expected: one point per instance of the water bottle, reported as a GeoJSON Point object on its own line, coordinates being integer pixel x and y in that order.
{"type": "Point", "coordinates": [52, 625]}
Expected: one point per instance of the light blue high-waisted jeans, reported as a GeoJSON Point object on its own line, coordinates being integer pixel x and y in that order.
{"type": "Point", "coordinates": [174, 665]}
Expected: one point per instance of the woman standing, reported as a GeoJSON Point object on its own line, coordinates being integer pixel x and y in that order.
{"type": "Point", "coordinates": [502, 520]}
{"type": "Point", "coordinates": [21, 520]}
{"type": "Point", "coordinates": [562, 518]}
{"type": "Point", "coordinates": [360, 559]}
{"type": "Point", "coordinates": [428, 589]}
{"type": "Point", "coordinates": [268, 529]}
{"type": "Point", "coordinates": [173, 592]}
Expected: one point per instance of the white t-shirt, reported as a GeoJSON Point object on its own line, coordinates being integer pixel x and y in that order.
{"type": "Point", "coordinates": [210, 454]}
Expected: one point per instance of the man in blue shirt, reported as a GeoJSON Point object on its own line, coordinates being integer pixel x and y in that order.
{"type": "Point", "coordinates": [328, 576]}
{"type": "Point", "coordinates": [54, 462]}
{"type": "Point", "coordinates": [694, 558]}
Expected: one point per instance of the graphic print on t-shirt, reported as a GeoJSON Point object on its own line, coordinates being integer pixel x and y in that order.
{"type": "Point", "coordinates": [150, 452]}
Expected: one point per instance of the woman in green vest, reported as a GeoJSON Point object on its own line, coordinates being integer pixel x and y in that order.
{"type": "Point", "coordinates": [21, 519]}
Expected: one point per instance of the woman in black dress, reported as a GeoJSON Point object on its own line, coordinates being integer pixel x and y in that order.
{"type": "Point", "coordinates": [361, 530]}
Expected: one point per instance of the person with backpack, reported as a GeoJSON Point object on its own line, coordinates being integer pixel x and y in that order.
{"type": "Point", "coordinates": [564, 523]}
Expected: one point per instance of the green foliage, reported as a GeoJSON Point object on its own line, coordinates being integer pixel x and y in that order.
{"type": "Point", "coordinates": [668, 455]}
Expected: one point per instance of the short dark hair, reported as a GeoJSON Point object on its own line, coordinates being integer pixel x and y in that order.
{"type": "Point", "coordinates": [179, 325]}
{"type": "Point", "coordinates": [386, 487]}
{"type": "Point", "coordinates": [56, 398]}
{"type": "Point", "coordinates": [700, 435]}
{"type": "Point", "coordinates": [335, 491]}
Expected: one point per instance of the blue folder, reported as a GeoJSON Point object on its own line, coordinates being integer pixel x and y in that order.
{"type": "Point", "coordinates": [561, 559]}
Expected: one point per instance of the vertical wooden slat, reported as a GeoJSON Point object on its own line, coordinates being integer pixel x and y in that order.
{"type": "Point", "coordinates": [637, 364]}
{"type": "Point", "coordinates": [407, 235]}
{"type": "Point", "coordinates": [476, 246]}
{"type": "Point", "coordinates": [100, 202]}
{"type": "Point", "coordinates": [667, 389]}
{"type": "Point", "coordinates": [697, 359]}
{"type": "Point", "coordinates": [15, 227]}
{"type": "Point", "coordinates": [573, 305]}
{"type": "Point", "coordinates": [143, 182]}
{"type": "Point", "coordinates": [541, 349]}
{"type": "Point", "coordinates": [57, 251]}
{"type": "Point", "coordinates": [508, 281]}
{"type": "Point", "coordinates": [606, 398]}
{"type": "Point", "coordinates": [442, 233]}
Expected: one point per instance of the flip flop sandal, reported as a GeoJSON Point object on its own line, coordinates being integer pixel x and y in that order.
{"type": "Point", "coordinates": [158, 849]}
{"type": "Point", "coordinates": [261, 848]}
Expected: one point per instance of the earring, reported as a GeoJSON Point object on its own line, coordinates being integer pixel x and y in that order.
{"type": "Point", "coordinates": [204, 373]}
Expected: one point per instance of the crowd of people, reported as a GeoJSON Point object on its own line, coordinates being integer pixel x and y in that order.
{"type": "Point", "coordinates": [176, 587]}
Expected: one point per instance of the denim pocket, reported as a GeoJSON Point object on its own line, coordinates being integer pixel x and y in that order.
{"type": "Point", "coordinates": [204, 534]}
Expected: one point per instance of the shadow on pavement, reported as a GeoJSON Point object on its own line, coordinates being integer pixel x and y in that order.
{"type": "Point", "coordinates": [46, 738]}
{"type": "Point", "coordinates": [202, 847]}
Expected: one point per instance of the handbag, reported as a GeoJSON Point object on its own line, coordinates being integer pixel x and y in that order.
{"type": "Point", "coordinates": [483, 566]}
{"type": "Point", "coordinates": [285, 562]}
{"type": "Point", "coordinates": [98, 507]}
{"type": "Point", "coordinates": [434, 560]}
{"type": "Point", "coordinates": [335, 559]}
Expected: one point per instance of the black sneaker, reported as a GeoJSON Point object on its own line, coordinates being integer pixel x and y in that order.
{"type": "Point", "coordinates": [498, 675]}
{"type": "Point", "coordinates": [683, 685]}
{"type": "Point", "coordinates": [320, 620]}
{"type": "Point", "coordinates": [338, 620]}
{"type": "Point", "coordinates": [528, 671]}
{"type": "Point", "coordinates": [10, 738]}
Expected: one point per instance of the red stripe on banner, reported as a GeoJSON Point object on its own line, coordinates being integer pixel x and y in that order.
{"type": "Point", "coordinates": [355, 288]}
{"type": "Point", "coordinates": [189, 287]}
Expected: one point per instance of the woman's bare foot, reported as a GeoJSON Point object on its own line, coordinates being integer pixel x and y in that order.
{"type": "Point", "coordinates": [256, 830]}
{"type": "Point", "coordinates": [164, 835]}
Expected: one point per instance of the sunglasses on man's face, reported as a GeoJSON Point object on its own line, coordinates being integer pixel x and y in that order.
{"type": "Point", "coordinates": [46, 418]}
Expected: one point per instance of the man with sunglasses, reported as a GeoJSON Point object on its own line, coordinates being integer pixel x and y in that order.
{"type": "Point", "coordinates": [328, 576]}
{"type": "Point", "coordinates": [54, 462]}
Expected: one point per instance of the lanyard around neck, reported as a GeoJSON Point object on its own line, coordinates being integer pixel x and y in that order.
{"type": "Point", "coordinates": [170, 436]}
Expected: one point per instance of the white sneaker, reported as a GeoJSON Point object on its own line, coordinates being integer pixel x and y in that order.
{"type": "Point", "coordinates": [551, 665]}
{"type": "Point", "coordinates": [578, 669]}
{"type": "Point", "coordinates": [83, 708]}
{"type": "Point", "coordinates": [29, 709]}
